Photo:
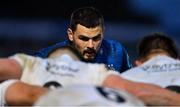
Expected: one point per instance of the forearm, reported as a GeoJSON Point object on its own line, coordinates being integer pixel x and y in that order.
{"type": "Point", "coordinates": [150, 94]}
{"type": "Point", "coordinates": [160, 99]}
{"type": "Point", "coordinates": [23, 94]}
{"type": "Point", "coordinates": [9, 69]}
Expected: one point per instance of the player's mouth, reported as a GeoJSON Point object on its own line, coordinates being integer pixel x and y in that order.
{"type": "Point", "coordinates": [90, 54]}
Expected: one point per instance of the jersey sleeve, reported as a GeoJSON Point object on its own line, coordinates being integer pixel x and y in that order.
{"type": "Point", "coordinates": [100, 73]}
{"type": "Point", "coordinates": [27, 63]}
{"type": "Point", "coordinates": [3, 88]}
{"type": "Point", "coordinates": [127, 64]}
{"type": "Point", "coordinates": [23, 59]}
{"type": "Point", "coordinates": [106, 74]}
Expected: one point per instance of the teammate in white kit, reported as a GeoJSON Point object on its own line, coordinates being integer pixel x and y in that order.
{"type": "Point", "coordinates": [59, 71]}
{"type": "Point", "coordinates": [158, 62]}
{"type": "Point", "coordinates": [88, 95]}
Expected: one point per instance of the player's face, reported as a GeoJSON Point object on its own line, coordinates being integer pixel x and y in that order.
{"type": "Point", "coordinates": [86, 40]}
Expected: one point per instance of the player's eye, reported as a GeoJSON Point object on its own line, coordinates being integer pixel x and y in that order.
{"type": "Point", "coordinates": [83, 38]}
{"type": "Point", "coordinates": [97, 38]}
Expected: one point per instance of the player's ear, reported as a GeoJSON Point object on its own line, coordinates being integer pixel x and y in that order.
{"type": "Point", "coordinates": [138, 62]}
{"type": "Point", "coordinates": [70, 34]}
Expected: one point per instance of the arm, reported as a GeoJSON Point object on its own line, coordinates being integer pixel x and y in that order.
{"type": "Point", "coordinates": [150, 94]}
{"type": "Point", "coordinates": [126, 64]}
{"type": "Point", "coordinates": [9, 69]}
{"type": "Point", "coordinates": [20, 93]}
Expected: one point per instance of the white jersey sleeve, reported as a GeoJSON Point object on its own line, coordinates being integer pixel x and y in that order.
{"type": "Point", "coordinates": [28, 64]}
{"type": "Point", "coordinates": [96, 73]}
{"type": "Point", "coordinates": [3, 87]}
{"type": "Point", "coordinates": [23, 59]}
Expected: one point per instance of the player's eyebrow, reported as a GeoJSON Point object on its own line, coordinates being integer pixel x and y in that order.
{"type": "Point", "coordinates": [86, 38]}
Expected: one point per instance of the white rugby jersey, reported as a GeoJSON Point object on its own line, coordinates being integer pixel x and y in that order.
{"type": "Point", "coordinates": [160, 70]}
{"type": "Point", "coordinates": [88, 96]}
{"type": "Point", "coordinates": [60, 71]}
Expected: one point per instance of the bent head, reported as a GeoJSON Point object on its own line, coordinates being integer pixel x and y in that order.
{"type": "Point", "coordinates": [86, 31]}
{"type": "Point", "coordinates": [156, 44]}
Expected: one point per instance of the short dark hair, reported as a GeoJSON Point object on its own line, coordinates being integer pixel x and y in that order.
{"type": "Point", "coordinates": [89, 17]}
{"type": "Point", "coordinates": [157, 41]}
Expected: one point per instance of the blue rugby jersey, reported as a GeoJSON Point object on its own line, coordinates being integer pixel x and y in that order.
{"type": "Point", "coordinates": [111, 53]}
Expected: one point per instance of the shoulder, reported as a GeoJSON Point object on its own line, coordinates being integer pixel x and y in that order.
{"type": "Point", "coordinates": [111, 42]}
{"type": "Point", "coordinates": [113, 45]}
{"type": "Point", "coordinates": [59, 44]}
{"type": "Point", "coordinates": [21, 56]}
{"type": "Point", "coordinates": [132, 71]}
{"type": "Point", "coordinates": [23, 59]}
{"type": "Point", "coordinates": [45, 51]}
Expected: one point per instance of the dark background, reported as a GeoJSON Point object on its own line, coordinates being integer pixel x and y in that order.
{"type": "Point", "coordinates": [29, 25]}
